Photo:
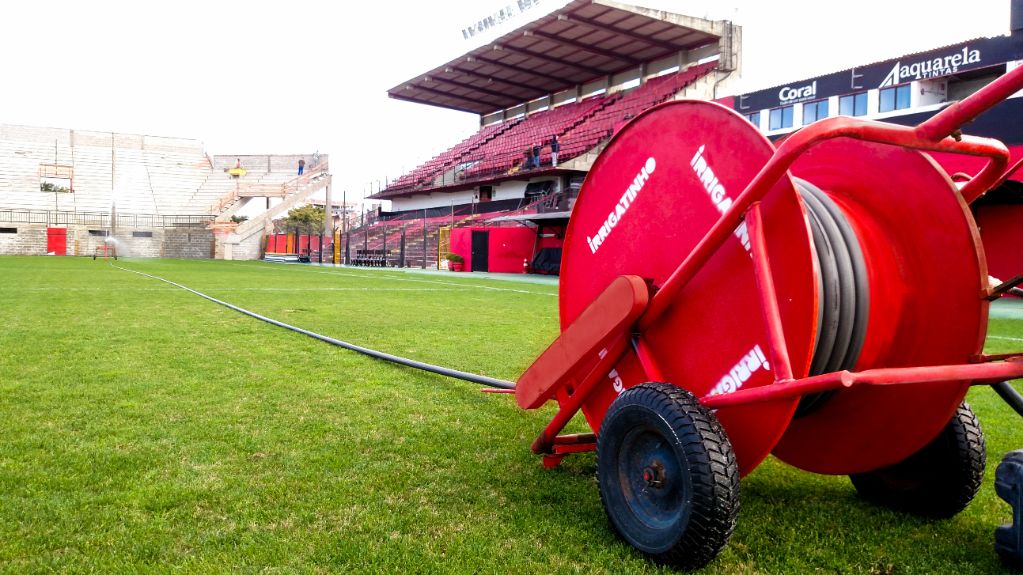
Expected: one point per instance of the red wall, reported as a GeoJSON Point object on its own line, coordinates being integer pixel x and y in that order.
{"type": "Point", "coordinates": [1001, 230]}
{"type": "Point", "coordinates": [461, 243]}
{"type": "Point", "coordinates": [508, 247]}
{"type": "Point", "coordinates": [278, 244]}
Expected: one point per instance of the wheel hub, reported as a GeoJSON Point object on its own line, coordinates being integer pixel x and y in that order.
{"type": "Point", "coordinates": [654, 475]}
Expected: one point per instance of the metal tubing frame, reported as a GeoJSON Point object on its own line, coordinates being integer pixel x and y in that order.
{"type": "Point", "coordinates": [978, 374]}
{"type": "Point", "coordinates": [777, 348]}
{"type": "Point", "coordinates": [646, 359]}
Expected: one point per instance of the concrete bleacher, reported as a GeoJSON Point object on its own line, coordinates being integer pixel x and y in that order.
{"type": "Point", "coordinates": [436, 168]}
{"type": "Point", "coordinates": [509, 151]}
{"type": "Point", "coordinates": [500, 149]}
{"type": "Point", "coordinates": [154, 185]}
{"type": "Point", "coordinates": [141, 174]}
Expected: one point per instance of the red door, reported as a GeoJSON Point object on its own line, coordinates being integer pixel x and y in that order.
{"type": "Point", "coordinates": [56, 241]}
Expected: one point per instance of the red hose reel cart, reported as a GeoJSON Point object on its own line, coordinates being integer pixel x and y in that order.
{"type": "Point", "coordinates": [722, 299]}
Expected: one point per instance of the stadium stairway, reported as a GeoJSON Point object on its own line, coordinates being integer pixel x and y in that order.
{"type": "Point", "coordinates": [242, 241]}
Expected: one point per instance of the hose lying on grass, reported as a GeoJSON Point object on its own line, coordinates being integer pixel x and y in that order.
{"type": "Point", "coordinates": [447, 372]}
{"type": "Point", "coordinates": [1004, 390]}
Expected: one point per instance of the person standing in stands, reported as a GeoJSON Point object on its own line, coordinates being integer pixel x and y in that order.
{"type": "Point", "coordinates": [555, 147]}
{"type": "Point", "coordinates": [301, 166]}
{"type": "Point", "coordinates": [238, 164]}
{"type": "Point", "coordinates": [536, 155]}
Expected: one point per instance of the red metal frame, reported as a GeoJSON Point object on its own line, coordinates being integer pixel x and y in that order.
{"type": "Point", "coordinates": [610, 341]}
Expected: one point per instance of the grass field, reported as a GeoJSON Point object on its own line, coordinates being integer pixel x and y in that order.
{"type": "Point", "coordinates": [146, 430]}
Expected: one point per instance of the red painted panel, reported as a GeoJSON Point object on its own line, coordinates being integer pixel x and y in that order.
{"type": "Point", "coordinates": [461, 244]}
{"type": "Point", "coordinates": [56, 241]}
{"type": "Point", "coordinates": [279, 243]}
{"type": "Point", "coordinates": [1001, 230]}
{"type": "Point", "coordinates": [508, 247]}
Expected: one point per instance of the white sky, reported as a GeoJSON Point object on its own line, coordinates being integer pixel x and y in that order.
{"type": "Point", "coordinates": [287, 77]}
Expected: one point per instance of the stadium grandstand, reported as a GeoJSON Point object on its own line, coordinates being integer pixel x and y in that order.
{"type": "Point", "coordinates": [577, 74]}
{"type": "Point", "coordinates": [65, 191]}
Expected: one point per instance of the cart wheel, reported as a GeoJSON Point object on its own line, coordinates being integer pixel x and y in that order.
{"type": "Point", "coordinates": [938, 481]}
{"type": "Point", "coordinates": [668, 476]}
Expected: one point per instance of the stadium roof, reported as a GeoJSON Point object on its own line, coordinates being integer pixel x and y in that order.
{"type": "Point", "coordinates": [583, 41]}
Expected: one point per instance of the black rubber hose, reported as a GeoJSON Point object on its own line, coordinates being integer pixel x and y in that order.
{"type": "Point", "coordinates": [830, 291]}
{"type": "Point", "coordinates": [1009, 394]}
{"type": "Point", "coordinates": [843, 291]}
{"type": "Point", "coordinates": [447, 372]}
{"type": "Point", "coordinates": [855, 282]}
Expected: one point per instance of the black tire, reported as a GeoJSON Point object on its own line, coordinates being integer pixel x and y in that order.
{"type": "Point", "coordinates": [668, 477]}
{"type": "Point", "coordinates": [938, 481]}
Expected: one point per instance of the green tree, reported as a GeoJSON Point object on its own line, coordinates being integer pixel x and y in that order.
{"type": "Point", "coordinates": [308, 220]}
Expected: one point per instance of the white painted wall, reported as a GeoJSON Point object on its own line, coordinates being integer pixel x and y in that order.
{"type": "Point", "coordinates": [509, 190]}
{"type": "Point", "coordinates": [436, 199]}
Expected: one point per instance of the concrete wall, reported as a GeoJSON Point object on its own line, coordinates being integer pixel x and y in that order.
{"type": "Point", "coordinates": [234, 248]}
{"type": "Point", "coordinates": [188, 243]}
{"type": "Point", "coordinates": [30, 240]}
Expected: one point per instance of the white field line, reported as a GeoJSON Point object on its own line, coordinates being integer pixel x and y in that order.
{"type": "Point", "coordinates": [1005, 338]}
{"type": "Point", "coordinates": [64, 288]}
{"type": "Point", "coordinates": [237, 289]}
{"type": "Point", "coordinates": [344, 274]}
{"type": "Point", "coordinates": [365, 289]}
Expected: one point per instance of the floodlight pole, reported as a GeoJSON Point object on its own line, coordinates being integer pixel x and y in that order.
{"type": "Point", "coordinates": [328, 217]}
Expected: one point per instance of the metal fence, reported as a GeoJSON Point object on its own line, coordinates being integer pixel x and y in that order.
{"type": "Point", "coordinates": [100, 220]}
{"type": "Point", "coordinates": [401, 243]}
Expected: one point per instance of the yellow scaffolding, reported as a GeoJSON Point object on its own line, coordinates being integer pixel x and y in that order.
{"type": "Point", "coordinates": [443, 247]}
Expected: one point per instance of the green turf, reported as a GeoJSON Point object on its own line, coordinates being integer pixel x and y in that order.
{"type": "Point", "coordinates": [146, 430]}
